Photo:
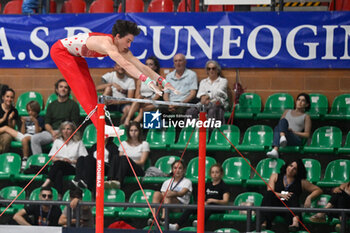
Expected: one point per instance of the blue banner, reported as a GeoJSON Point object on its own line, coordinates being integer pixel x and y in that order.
{"type": "Point", "coordinates": [236, 40]}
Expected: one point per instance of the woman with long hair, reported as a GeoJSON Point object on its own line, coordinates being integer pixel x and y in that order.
{"type": "Point", "coordinates": [65, 160]}
{"type": "Point", "coordinates": [137, 151]}
{"type": "Point", "coordinates": [289, 185]}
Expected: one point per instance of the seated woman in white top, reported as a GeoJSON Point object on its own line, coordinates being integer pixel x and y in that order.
{"type": "Point", "coordinates": [65, 160]}
{"type": "Point", "coordinates": [137, 151]}
{"type": "Point", "coordinates": [293, 126]}
{"type": "Point", "coordinates": [176, 190]}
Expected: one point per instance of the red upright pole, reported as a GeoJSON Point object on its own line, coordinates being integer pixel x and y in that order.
{"type": "Point", "coordinates": [201, 174]}
{"type": "Point", "coordinates": [100, 164]}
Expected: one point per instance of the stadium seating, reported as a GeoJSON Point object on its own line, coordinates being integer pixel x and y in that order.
{"type": "Point", "coordinates": [326, 139]}
{"type": "Point", "coordinates": [243, 199]}
{"type": "Point", "coordinates": [89, 136]}
{"type": "Point", "coordinates": [134, 212]}
{"type": "Point", "coordinates": [74, 6]}
{"type": "Point", "coordinates": [184, 137]}
{"type": "Point", "coordinates": [236, 171]}
{"type": "Point", "coordinates": [112, 195]}
{"type": "Point", "coordinates": [25, 98]}
{"type": "Point", "coordinates": [10, 165]}
{"type": "Point", "coordinates": [319, 202]}
{"type": "Point", "coordinates": [164, 164]}
{"type": "Point", "coordinates": [36, 160]}
{"type": "Point", "coordinates": [182, 6]}
{"type": "Point", "coordinates": [13, 7]}
{"type": "Point", "coordinates": [319, 106]}
{"type": "Point", "coordinates": [161, 139]}
{"type": "Point", "coordinates": [275, 105]}
{"type": "Point", "coordinates": [122, 137]}
{"type": "Point", "coordinates": [132, 6]}
{"type": "Point", "coordinates": [229, 230]}
{"type": "Point", "coordinates": [102, 6]}
{"type": "Point", "coordinates": [218, 142]}
{"type": "Point", "coordinates": [257, 138]}
{"type": "Point", "coordinates": [265, 168]}
{"type": "Point", "coordinates": [161, 6]}
{"type": "Point", "coordinates": [34, 195]}
{"type": "Point", "coordinates": [346, 148]}
{"type": "Point", "coordinates": [191, 229]}
{"type": "Point", "coordinates": [192, 168]}
{"type": "Point", "coordinates": [220, 8]}
{"type": "Point", "coordinates": [248, 107]}
{"type": "Point", "coordinates": [9, 193]}
{"type": "Point", "coordinates": [340, 109]}
{"type": "Point", "coordinates": [337, 172]}
{"type": "Point", "coordinates": [313, 170]}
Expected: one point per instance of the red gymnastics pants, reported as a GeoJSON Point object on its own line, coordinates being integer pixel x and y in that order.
{"type": "Point", "coordinates": [76, 72]}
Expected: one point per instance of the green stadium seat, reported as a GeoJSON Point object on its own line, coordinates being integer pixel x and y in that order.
{"type": "Point", "coordinates": [34, 195]}
{"type": "Point", "coordinates": [122, 138]}
{"type": "Point", "coordinates": [346, 148]}
{"type": "Point", "coordinates": [192, 168]}
{"type": "Point", "coordinates": [313, 170]}
{"type": "Point", "coordinates": [229, 230]}
{"type": "Point", "coordinates": [248, 107]}
{"type": "Point", "coordinates": [87, 196]}
{"type": "Point", "coordinates": [243, 199]}
{"type": "Point", "coordinates": [25, 98]}
{"type": "Point", "coordinates": [164, 164]}
{"type": "Point", "coordinates": [326, 139]}
{"type": "Point", "coordinates": [134, 212]}
{"type": "Point", "coordinates": [191, 229]}
{"type": "Point", "coordinates": [319, 202]}
{"type": "Point", "coordinates": [257, 138]}
{"type": "Point", "coordinates": [154, 228]}
{"type": "Point", "coordinates": [161, 139]}
{"type": "Point", "coordinates": [112, 195]}
{"type": "Point", "coordinates": [218, 142]}
{"type": "Point", "coordinates": [265, 231]}
{"type": "Point", "coordinates": [36, 160]}
{"type": "Point", "coordinates": [184, 137]}
{"type": "Point", "coordinates": [319, 106]}
{"type": "Point", "coordinates": [337, 172]}
{"type": "Point", "coordinates": [9, 193]}
{"type": "Point", "coordinates": [340, 109]}
{"type": "Point", "coordinates": [89, 136]}
{"type": "Point", "coordinates": [236, 171]}
{"type": "Point", "coordinates": [275, 105]}
{"type": "Point", "coordinates": [265, 168]}
{"type": "Point", "coordinates": [293, 149]}
{"type": "Point", "coordinates": [10, 165]}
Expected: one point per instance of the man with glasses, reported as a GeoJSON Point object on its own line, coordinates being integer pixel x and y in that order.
{"type": "Point", "coordinates": [185, 81]}
{"type": "Point", "coordinates": [41, 215]}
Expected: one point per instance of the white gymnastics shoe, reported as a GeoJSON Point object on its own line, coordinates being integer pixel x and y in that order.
{"type": "Point", "coordinates": [112, 132]}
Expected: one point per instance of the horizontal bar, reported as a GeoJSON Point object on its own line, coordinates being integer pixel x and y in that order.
{"type": "Point", "coordinates": [148, 101]}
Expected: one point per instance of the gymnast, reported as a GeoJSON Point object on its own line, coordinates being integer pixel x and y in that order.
{"type": "Point", "coordinates": [68, 54]}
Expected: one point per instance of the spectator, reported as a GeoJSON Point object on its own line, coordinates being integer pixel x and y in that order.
{"type": "Point", "coordinates": [289, 185]}
{"type": "Point", "coordinates": [32, 6]}
{"type": "Point", "coordinates": [216, 193]}
{"type": "Point", "coordinates": [58, 111]}
{"type": "Point", "coordinates": [340, 199]}
{"type": "Point", "coordinates": [176, 190]}
{"type": "Point", "coordinates": [143, 92]}
{"type": "Point", "coordinates": [42, 215]}
{"type": "Point", "coordinates": [8, 117]}
{"type": "Point", "coordinates": [212, 93]}
{"type": "Point", "coordinates": [66, 158]}
{"type": "Point", "coordinates": [117, 84]}
{"type": "Point", "coordinates": [185, 81]}
{"type": "Point", "coordinates": [85, 214]}
{"type": "Point", "coordinates": [30, 125]}
{"type": "Point", "coordinates": [293, 126]}
{"type": "Point", "coordinates": [137, 151]}
{"type": "Point", "coordinates": [86, 166]}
